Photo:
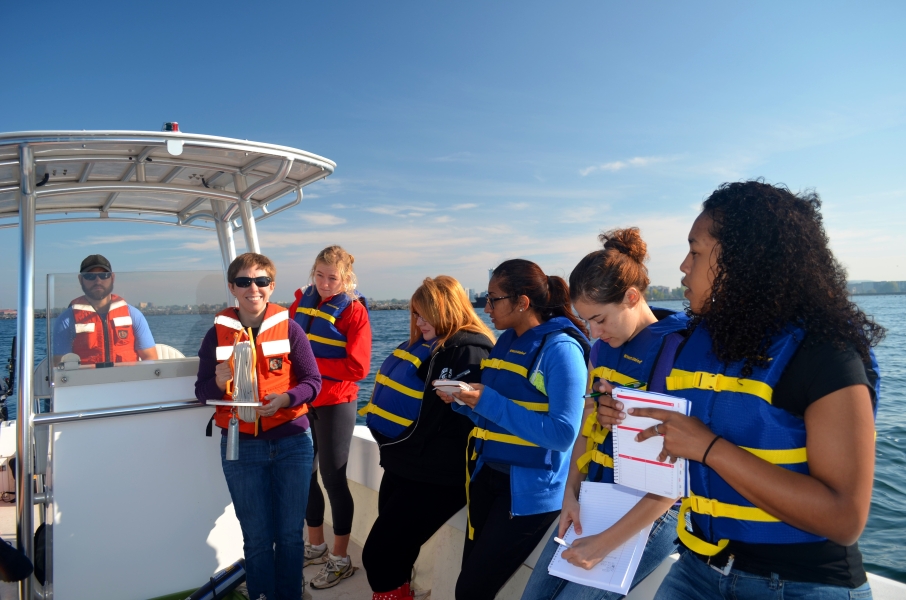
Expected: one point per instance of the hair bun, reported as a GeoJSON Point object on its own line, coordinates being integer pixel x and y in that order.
{"type": "Point", "coordinates": [626, 241]}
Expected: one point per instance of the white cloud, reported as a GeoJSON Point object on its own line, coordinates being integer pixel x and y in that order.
{"type": "Point", "coordinates": [322, 219]}
{"type": "Point", "coordinates": [517, 205]}
{"type": "Point", "coordinates": [463, 206]}
{"type": "Point", "coordinates": [443, 219]}
{"type": "Point", "coordinates": [396, 209]}
{"type": "Point", "coordinates": [619, 165]}
{"type": "Point", "coordinates": [455, 157]}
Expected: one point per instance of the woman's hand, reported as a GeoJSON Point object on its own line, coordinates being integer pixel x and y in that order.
{"type": "Point", "coordinates": [609, 410]}
{"type": "Point", "coordinates": [684, 437]}
{"type": "Point", "coordinates": [222, 374]}
{"type": "Point", "coordinates": [470, 397]}
{"type": "Point", "coordinates": [588, 551]}
{"type": "Point", "coordinates": [569, 514]}
{"type": "Point", "coordinates": [274, 402]}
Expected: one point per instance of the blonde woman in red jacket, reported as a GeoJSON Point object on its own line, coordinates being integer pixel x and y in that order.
{"type": "Point", "coordinates": [335, 318]}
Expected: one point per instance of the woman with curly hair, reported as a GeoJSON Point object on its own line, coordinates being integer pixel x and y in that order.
{"type": "Point", "coordinates": [782, 383]}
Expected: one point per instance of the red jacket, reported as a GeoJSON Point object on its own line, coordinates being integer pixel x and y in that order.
{"type": "Point", "coordinates": [89, 342]}
{"type": "Point", "coordinates": [275, 374]}
{"type": "Point", "coordinates": [340, 374]}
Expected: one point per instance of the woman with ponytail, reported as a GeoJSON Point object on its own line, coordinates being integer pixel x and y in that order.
{"type": "Point", "coordinates": [527, 412]}
{"type": "Point", "coordinates": [335, 318]}
{"type": "Point", "coordinates": [635, 347]}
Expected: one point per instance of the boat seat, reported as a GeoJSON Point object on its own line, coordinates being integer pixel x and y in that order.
{"type": "Point", "coordinates": [165, 352]}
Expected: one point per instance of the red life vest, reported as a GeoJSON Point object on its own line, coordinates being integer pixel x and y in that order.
{"type": "Point", "coordinates": [91, 333]}
{"type": "Point", "coordinates": [275, 373]}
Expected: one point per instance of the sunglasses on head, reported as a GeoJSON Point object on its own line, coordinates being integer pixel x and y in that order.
{"type": "Point", "coordinates": [93, 276]}
{"type": "Point", "coordinates": [245, 282]}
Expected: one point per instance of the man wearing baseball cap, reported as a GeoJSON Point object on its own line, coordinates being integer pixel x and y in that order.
{"type": "Point", "coordinates": [99, 326]}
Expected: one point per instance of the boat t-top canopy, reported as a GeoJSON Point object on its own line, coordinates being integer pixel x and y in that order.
{"type": "Point", "coordinates": [169, 178]}
{"type": "Point", "coordinates": [166, 178]}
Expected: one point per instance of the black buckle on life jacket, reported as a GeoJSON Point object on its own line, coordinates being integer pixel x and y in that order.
{"type": "Point", "coordinates": [209, 430]}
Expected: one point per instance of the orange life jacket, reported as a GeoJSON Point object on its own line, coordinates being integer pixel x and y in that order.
{"type": "Point", "coordinates": [91, 333]}
{"type": "Point", "coordinates": [275, 373]}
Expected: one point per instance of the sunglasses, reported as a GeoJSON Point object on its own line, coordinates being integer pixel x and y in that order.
{"type": "Point", "coordinates": [93, 276]}
{"type": "Point", "coordinates": [245, 282]}
{"type": "Point", "coordinates": [417, 316]}
{"type": "Point", "coordinates": [490, 301]}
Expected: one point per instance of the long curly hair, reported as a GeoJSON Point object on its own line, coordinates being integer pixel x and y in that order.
{"type": "Point", "coordinates": [774, 268]}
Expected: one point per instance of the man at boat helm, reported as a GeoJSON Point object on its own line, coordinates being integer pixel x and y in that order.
{"type": "Point", "coordinates": [99, 326]}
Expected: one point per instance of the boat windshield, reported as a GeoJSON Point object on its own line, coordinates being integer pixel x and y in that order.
{"type": "Point", "coordinates": [114, 319]}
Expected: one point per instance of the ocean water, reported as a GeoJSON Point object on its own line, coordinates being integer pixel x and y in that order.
{"type": "Point", "coordinates": [882, 542]}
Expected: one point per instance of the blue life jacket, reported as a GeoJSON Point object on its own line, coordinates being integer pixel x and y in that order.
{"type": "Point", "coordinates": [508, 370]}
{"type": "Point", "coordinates": [630, 365]}
{"type": "Point", "coordinates": [320, 322]}
{"type": "Point", "coordinates": [740, 410]}
{"type": "Point", "coordinates": [397, 397]}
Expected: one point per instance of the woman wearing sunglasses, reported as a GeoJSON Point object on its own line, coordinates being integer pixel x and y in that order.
{"type": "Point", "coordinates": [269, 482]}
{"type": "Point", "coordinates": [527, 411]}
{"type": "Point", "coordinates": [635, 347]}
{"type": "Point", "coordinates": [421, 440]}
{"type": "Point", "coordinates": [335, 317]}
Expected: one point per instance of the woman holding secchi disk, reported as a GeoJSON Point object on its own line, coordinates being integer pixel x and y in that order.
{"type": "Point", "coordinates": [268, 483]}
{"type": "Point", "coordinates": [779, 364]}
{"type": "Point", "coordinates": [527, 412]}
{"type": "Point", "coordinates": [421, 440]}
{"type": "Point", "coordinates": [635, 347]}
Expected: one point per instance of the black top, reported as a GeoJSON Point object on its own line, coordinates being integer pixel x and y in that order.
{"type": "Point", "coordinates": [816, 370]}
{"type": "Point", "coordinates": [433, 449]}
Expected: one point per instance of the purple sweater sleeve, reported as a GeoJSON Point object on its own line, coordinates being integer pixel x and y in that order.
{"type": "Point", "coordinates": [300, 355]}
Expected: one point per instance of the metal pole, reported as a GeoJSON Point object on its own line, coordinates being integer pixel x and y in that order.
{"type": "Point", "coordinates": [25, 503]}
{"type": "Point", "coordinates": [245, 214]}
{"type": "Point", "coordinates": [227, 243]}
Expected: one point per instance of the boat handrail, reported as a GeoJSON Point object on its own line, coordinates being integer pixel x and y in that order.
{"type": "Point", "coordinates": [54, 418]}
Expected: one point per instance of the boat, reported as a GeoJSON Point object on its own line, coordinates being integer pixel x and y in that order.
{"type": "Point", "coordinates": [114, 463]}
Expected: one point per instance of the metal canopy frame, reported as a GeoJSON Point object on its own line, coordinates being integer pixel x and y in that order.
{"type": "Point", "coordinates": [161, 178]}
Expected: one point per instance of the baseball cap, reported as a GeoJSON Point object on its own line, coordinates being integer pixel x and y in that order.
{"type": "Point", "coordinates": [95, 260]}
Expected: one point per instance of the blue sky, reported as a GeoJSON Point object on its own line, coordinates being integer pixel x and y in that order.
{"type": "Point", "coordinates": [467, 133]}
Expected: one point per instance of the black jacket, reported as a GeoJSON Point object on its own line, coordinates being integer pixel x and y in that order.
{"type": "Point", "coordinates": [433, 448]}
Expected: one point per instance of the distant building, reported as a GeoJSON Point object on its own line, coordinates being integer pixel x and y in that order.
{"type": "Point", "coordinates": [490, 274]}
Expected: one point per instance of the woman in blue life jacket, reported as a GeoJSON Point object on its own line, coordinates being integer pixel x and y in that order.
{"type": "Point", "coordinates": [635, 347]}
{"type": "Point", "coordinates": [783, 383]}
{"type": "Point", "coordinates": [527, 412]}
{"type": "Point", "coordinates": [334, 316]}
{"type": "Point", "coordinates": [421, 440]}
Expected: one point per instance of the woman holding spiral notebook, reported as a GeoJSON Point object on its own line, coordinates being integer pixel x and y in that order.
{"type": "Point", "coordinates": [607, 288]}
{"type": "Point", "coordinates": [782, 384]}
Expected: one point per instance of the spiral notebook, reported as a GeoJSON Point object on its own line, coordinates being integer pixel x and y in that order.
{"type": "Point", "coordinates": [635, 464]}
{"type": "Point", "coordinates": [600, 506]}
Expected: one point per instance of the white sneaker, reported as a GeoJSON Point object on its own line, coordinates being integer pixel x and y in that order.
{"type": "Point", "coordinates": [314, 555]}
{"type": "Point", "coordinates": [336, 570]}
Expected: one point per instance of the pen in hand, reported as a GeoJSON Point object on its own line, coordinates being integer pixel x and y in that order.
{"type": "Point", "coordinates": [562, 542]}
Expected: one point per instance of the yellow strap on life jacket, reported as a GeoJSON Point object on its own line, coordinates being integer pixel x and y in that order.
{"type": "Point", "coordinates": [314, 312]}
{"type": "Point", "coordinates": [684, 380]}
{"type": "Point", "coordinates": [780, 457]}
{"type": "Point", "coordinates": [399, 353]}
{"type": "Point", "coordinates": [533, 406]}
{"type": "Point", "coordinates": [594, 455]}
{"type": "Point", "coordinates": [496, 363]}
{"type": "Point", "coordinates": [612, 376]}
{"type": "Point", "coordinates": [377, 410]}
{"type": "Point", "coordinates": [393, 385]}
{"type": "Point", "coordinates": [324, 340]}
{"type": "Point", "coordinates": [715, 508]}
{"type": "Point", "coordinates": [483, 434]}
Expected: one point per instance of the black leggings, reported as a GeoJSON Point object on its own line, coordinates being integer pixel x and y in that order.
{"type": "Point", "coordinates": [501, 543]}
{"type": "Point", "coordinates": [331, 430]}
{"type": "Point", "coordinates": [409, 513]}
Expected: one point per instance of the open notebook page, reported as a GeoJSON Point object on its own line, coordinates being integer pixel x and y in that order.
{"type": "Point", "coordinates": [600, 506]}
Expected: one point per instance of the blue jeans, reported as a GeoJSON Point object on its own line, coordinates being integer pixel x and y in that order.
{"type": "Point", "coordinates": [544, 586]}
{"type": "Point", "coordinates": [269, 488]}
{"type": "Point", "coordinates": [691, 578]}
